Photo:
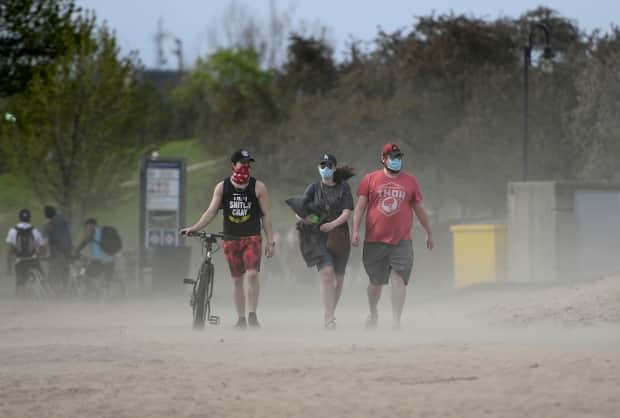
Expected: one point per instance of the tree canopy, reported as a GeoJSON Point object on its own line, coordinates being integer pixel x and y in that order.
{"type": "Point", "coordinates": [32, 34]}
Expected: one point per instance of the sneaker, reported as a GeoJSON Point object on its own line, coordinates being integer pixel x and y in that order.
{"type": "Point", "coordinates": [371, 322]}
{"type": "Point", "coordinates": [253, 320]}
{"type": "Point", "coordinates": [241, 323]}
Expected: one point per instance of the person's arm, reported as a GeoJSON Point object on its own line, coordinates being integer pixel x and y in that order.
{"type": "Point", "coordinates": [10, 259]}
{"type": "Point", "coordinates": [211, 211]}
{"type": "Point", "coordinates": [263, 201]}
{"type": "Point", "coordinates": [358, 214]}
{"type": "Point", "coordinates": [10, 256]}
{"type": "Point", "coordinates": [88, 237]}
{"type": "Point", "coordinates": [420, 212]}
{"type": "Point", "coordinates": [44, 249]}
{"type": "Point", "coordinates": [344, 217]}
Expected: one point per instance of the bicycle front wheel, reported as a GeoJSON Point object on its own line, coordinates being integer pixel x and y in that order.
{"type": "Point", "coordinates": [201, 300]}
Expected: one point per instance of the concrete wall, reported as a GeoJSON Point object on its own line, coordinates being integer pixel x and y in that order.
{"type": "Point", "coordinates": [562, 230]}
{"type": "Point", "coordinates": [531, 231]}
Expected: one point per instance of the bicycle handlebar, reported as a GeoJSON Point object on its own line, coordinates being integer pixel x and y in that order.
{"type": "Point", "coordinates": [210, 236]}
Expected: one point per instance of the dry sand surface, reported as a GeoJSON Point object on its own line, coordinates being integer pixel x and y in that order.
{"type": "Point", "coordinates": [500, 351]}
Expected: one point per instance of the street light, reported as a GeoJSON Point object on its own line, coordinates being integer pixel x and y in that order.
{"type": "Point", "coordinates": [546, 66]}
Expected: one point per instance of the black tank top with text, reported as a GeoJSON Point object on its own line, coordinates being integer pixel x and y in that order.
{"type": "Point", "coordinates": [242, 213]}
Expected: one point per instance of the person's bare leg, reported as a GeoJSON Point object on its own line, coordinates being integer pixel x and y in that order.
{"type": "Point", "coordinates": [399, 292]}
{"type": "Point", "coordinates": [239, 296]}
{"type": "Point", "coordinates": [338, 289]}
{"type": "Point", "coordinates": [328, 292]}
{"type": "Point", "coordinates": [374, 294]}
{"type": "Point", "coordinates": [253, 290]}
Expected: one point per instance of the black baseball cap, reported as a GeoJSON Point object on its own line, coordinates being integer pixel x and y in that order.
{"type": "Point", "coordinates": [328, 158]}
{"type": "Point", "coordinates": [239, 155]}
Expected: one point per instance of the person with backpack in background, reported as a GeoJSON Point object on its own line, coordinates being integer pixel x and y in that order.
{"type": "Point", "coordinates": [103, 243]}
{"type": "Point", "coordinates": [24, 242]}
{"type": "Point", "coordinates": [58, 240]}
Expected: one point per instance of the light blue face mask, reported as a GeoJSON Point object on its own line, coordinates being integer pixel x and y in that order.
{"type": "Point", "coordinates": [394, 164]}
{"type": "Point", "coordinates": [326, 172]}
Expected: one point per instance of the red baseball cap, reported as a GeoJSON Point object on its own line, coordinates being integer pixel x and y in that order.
{"type": "Point", "coordinates": [392, 150]}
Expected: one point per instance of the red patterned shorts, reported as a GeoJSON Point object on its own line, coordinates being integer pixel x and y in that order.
{"type": "Point", "coordinates": [243, 254]}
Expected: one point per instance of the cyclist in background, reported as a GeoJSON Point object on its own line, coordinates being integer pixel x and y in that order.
{"type": "Point", "coordinates": [99, 263]}
{"type": "Point", "coordinates": [24, 241]}
{"type": "Point", "coordinates": [58, 241]}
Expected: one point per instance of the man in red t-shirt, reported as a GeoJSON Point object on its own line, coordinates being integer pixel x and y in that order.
{"type": "Point", "coordinates": [389, 197]}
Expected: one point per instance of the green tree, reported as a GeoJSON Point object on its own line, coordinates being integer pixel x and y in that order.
{"type": "Point", "coordinates": [227, 96]}
{"type": "Point", "coordinates": [32, 35]}
{"type": "Point", "coordinates": [310, 68]}
{"type": "Point", "coordinates": [78, 123]}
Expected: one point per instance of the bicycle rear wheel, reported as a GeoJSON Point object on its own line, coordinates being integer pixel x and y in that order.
{"type": "Point", "coordinates": [37, 287]}
{"type": "Point", "coordinates": [201, 300]}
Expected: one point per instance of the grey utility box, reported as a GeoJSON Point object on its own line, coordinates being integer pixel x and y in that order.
{"type": "Point", "coordinates": [562, 230]}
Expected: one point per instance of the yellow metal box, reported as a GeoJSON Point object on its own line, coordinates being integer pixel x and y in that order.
{"type": "Point", "coordinates": [479, 253]}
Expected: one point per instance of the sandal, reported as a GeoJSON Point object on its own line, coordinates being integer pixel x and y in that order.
{"type": "Point", "coordinates": [331, 324]}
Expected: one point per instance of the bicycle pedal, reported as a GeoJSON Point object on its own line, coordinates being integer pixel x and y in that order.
{"type": "Point", "coordinates": [189, 281]}
{"type": "Point", "coordinates": [214, 320]}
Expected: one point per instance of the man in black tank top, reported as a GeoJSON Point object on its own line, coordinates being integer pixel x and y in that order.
{"type": "Point", "coordinates": [245, 205]}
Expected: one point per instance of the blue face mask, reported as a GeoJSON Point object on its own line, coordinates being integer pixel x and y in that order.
{"type": "Point", "coordinates": [326, 172]}
{"type": "Point", "coordinates": [394, 164]}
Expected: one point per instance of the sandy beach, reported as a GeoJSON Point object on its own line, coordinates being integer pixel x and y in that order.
{"type": "Point", "coordinates": [500, 351]}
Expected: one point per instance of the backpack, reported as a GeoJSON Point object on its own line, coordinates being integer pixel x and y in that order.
{"type": "Point", "coordinates": [25, 246]}
{"type": "Point", "coordinates": [111, 242]}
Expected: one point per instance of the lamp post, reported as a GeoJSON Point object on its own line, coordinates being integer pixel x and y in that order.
{"type": "Point", "coordinates": [547, 67]}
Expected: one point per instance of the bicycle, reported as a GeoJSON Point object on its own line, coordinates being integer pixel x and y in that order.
{"type": "Point", "coordinates": [89, 277]}
{"type": "Point", "coordinates": [77, 282]}
{"type": "Point", "coordinates": [200, 300]}
{"type": "Point", "coordinates": [35, 285]}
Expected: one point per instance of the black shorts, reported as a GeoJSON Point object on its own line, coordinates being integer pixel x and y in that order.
{"type": "Point", "coordinates": [380, 259]}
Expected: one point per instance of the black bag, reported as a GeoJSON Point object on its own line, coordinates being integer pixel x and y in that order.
{"type": "Point", "coordinates": [111, 242]}
{"type": "Point", "coordinates": [25, 246]}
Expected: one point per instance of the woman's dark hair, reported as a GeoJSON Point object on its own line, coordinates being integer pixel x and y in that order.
{"type": "Point", "coordinates": [24, 215]}
{"type": "Point", "coordinates": [50, 211]}
{"type": "Point", "coordinates": [91, 221]}
{"type": "Point", "coordinates": [343, 173]}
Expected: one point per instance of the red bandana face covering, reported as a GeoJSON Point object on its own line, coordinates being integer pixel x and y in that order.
{"type": "Point", "coordinates": [241, 175]}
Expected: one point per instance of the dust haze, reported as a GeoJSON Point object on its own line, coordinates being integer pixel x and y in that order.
{"type": "Point", "coordinates": [498, 349]}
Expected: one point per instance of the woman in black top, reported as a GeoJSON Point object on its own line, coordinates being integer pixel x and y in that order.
{"type": "Point", "coordinates": [332, 196]}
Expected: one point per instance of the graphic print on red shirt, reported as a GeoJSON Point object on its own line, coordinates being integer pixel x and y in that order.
{"type": "Point", "coordinates": [391, 197]}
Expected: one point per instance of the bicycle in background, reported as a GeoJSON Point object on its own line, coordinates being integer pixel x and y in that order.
{"type": "Point", "coordinates": [91, 279]}
{"type": "Point", "coordinates": [35, 286]}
